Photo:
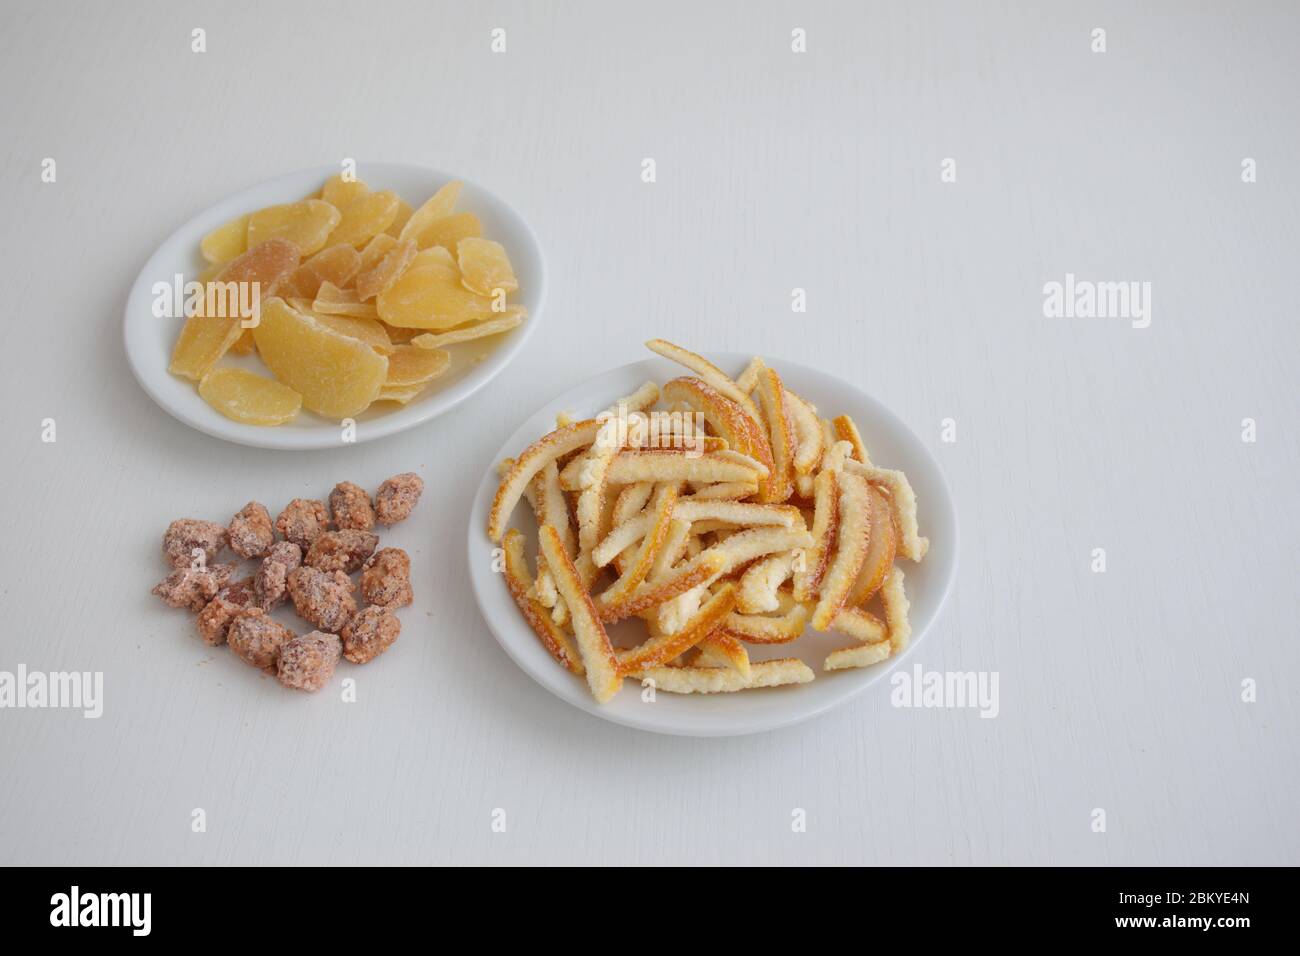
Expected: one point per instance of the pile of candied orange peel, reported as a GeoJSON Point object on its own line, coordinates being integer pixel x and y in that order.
{"type": "Point", "coordinates": [772, 520]}
{"type": "Point", "coordinates": [360, 298]}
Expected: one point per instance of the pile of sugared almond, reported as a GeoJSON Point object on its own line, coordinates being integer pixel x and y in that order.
{"type": "Point", "coordinates": [310, 564]}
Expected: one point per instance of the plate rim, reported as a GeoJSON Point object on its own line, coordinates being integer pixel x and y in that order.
{"type": "Point", "coordinates": [476, 537]}
{"type": "Point", "coordinates": [326, 437]}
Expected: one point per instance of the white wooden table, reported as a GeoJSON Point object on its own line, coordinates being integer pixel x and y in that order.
{"type": "Point", "coordinates": [775, 170]}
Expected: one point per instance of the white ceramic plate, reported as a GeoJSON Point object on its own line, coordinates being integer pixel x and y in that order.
{"type": "Point", "coordinates": [892, 445]}
{"type": "Point", "coordinates": [149, 340]}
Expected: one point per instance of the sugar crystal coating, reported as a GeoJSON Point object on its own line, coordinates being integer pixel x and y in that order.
{"type": "Point", "coordinates": [214, 620]}
{"type": "Point", "coordinates": [341, 550]}
{"type": "Point", "coordinates": [272, 578]}
{"type": "Point", "coordinates": [350, 507]}
{"type": "Point", "coordinates": [386, 579]}
{"type": "Point", "coordinates": [256, 638]}
{"type": "Point", "coordinates": [397, 497]}
{"type": "Point", "coordinates": [307, 662]}
{"type": "Point", "coordinates": [302, 521]}
{"type": "Point", "coordinates": [323, 598]}
{"type": "Point", "coordinates": [369, 634]}
{"type": "Point", "coordinates": [186, 537]}
{"type": "Point", "coordinates": [251, 532]}
{"type": "Point", "coordinates": [193, 588]}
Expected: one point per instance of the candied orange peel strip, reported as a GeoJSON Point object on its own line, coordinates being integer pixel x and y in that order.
{"type": "Point", "coordinates": [863, 625]}
{"type": "Point", "coordinates": [720, 649]}
{"type": "Point", "coordinates": [702, 367]}
{"type": "Point", "coordinates": [826, 519]}
{"type": "Point", "coordinates": [661, 513]}
{"type": "Point", "coordinates": [850, 549]}
{"type": "Point", "coordinates": [894, 598]}
{"type": "Point", "coordinates": [847, 430]}
{"type": "Point", "coordinates": [771, 397]}
{"type": "Point", "coordinates": [727, 418]}
{"type": "Point", "coordinates": [722, 680]}
{"type": "Point", "coordinates": [763, 579]}
{"type": "Point", "coordinates": [555, 639]}
{"type": "Point", "coordinates": [548, 448]}
{"type": "Point", "coordinates": [603, 674]}
{"type": "Point", "coordinates": [858, 655]}
{"type": "Point", "coordinates": [910, 543]}
{"type": "Point", "coordinates": [730, 512]}
{"type": "Point", "coordinates": [881, 550]}
{"type": "Point", "coordinates": [808, 434]}
{"type": "Point", "coordinates": [769, 629]}
{"type": "Point", "coordinates": [652, 594]}
{"type": "Point", "coordinates": [670, 465]}
{"type": "Point", "coordinates": [664, 647]}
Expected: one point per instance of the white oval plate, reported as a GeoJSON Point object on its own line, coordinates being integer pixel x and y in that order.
{"type": "Point", "coordinates": [149, 340]}
{"type": "Point", "coordinates": [891, 444]}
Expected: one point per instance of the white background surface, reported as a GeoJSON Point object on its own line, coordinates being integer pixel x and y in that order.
{"type": "Point", "coordinates": [775, 170]}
